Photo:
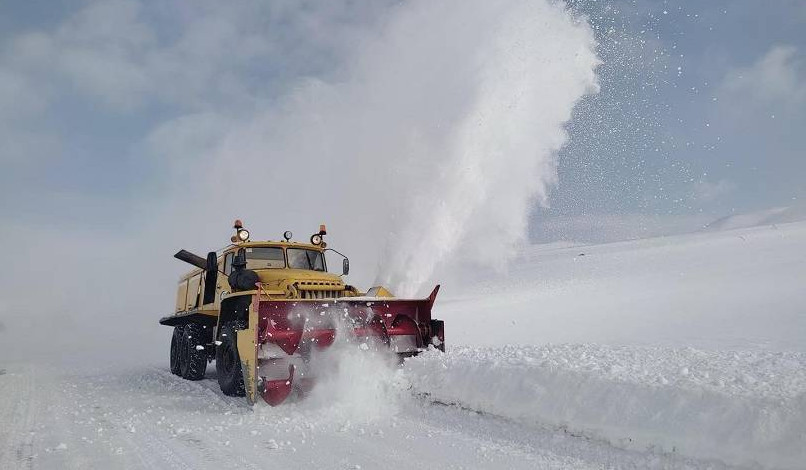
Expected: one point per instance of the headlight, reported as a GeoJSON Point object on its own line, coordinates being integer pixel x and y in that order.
{"type": "Point", "coordinates": [316, 239]}
{"type": "Point", "coordinates": [243, 235]}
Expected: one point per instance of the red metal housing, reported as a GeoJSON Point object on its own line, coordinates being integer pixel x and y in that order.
{"type": "Point", "coordinates": [289, 331]}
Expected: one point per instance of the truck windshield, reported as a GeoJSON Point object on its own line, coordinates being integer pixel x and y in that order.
{"type": "Point", "coordinates": [264, 258]}
{"type": "Point", "coordinates": [299, 258]}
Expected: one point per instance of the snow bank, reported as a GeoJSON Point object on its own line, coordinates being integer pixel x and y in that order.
{"type": "Point", "coordinates": [776, 215]}
{"type": "Point", "coordinates": [739, 407]}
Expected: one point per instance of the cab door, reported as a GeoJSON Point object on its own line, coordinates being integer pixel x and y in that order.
{"type": "Point", "coordinates": [222, 285]}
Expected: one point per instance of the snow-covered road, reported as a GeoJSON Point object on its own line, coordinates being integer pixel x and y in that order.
{"type": "Point", "coordinates": [148, 418]}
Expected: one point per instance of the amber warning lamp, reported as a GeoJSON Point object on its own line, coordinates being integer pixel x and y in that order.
{"type": "Point", "coordinates": [241, 234]}
{"type": "Point", "coordinates": [316, 238]}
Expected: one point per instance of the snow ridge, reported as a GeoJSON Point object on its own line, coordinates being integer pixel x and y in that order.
{"type": "Point", "coordinates": [744, 408]}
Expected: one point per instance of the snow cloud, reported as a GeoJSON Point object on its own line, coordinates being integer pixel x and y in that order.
{"type": "Point", "coordinates": [106, 115]}
{"type": "Point", "coordinates": [378, 119]}
{"type": "Point", "coordinates": [709, 191]}
{"type": "Point", "coordinates": [777, 78]}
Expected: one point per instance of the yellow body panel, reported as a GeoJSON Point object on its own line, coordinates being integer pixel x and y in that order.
{"type": "Point", "coordinates": [247, 349]}
{"type": "Point", "coordinates": [193, 289]}
{"type": "Point", "coordinates": [181, 296]}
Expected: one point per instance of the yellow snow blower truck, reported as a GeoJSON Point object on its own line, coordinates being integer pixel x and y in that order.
{"type": "Point", "coordinates": [262, 309]}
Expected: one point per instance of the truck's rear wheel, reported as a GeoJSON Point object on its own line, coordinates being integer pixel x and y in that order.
{"type": "Point", "coordinates": [228, 362]}
{"type": "Point", "coordinates": [176, 347]}
{"type": "Point", "coordinates": [193, 358]}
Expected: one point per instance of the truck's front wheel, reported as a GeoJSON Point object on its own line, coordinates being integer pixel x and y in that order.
{"type": "Point", "coordinates": [193, 358]}
{"type": "Point", "coordinates": [228, 362]}
{"type": "Point", "coordinates": [176, 347]}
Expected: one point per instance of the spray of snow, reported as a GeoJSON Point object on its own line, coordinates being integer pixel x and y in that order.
{"type": "Point", "coordinates": [356, 380]}
{"type": "Point", "coordinates": [441, 131]}
{"type": "Point", "coordinates": [532, 64]}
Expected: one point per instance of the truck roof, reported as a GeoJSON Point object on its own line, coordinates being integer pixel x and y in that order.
{"type": "Point", "coordinates": [284, 243]}
{"type": "Point", "coordinates": [250, 244]}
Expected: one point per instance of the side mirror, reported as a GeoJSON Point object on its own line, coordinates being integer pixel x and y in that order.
{"type": "Point", "coordinates": [345, 263]}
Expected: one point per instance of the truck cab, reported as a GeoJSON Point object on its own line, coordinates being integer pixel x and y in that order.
{"type": "Point", "coordinates": [285, 269]}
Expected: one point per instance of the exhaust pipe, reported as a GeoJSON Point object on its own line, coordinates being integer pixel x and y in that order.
{"type": "Point", "coordinates": [189, 257]}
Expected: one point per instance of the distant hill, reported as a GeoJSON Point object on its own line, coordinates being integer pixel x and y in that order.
{"type": "Point", "coordinates": [776, 215]}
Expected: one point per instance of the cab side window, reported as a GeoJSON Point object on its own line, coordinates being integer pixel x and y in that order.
{"type": "Point", "coordinates": [228, 263]}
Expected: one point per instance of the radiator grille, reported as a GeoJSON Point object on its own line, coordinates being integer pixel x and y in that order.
{"type": "Point", "coordinates": [320, 294]}
{"type": "Point", "coordinates": [319, 289]}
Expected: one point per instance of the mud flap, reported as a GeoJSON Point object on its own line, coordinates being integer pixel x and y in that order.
{"type": "Point", "coordinates": [247, 350]}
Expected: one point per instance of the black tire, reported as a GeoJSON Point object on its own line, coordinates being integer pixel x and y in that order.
{"type": "Point", "coordinates": [195, 360]}
{"type": "Point", "coordinates": [176, 346]}
{"type": "Point", "coordinates": [228, 362]}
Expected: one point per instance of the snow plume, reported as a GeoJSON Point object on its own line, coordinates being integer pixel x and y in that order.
{"type": "Point", "coordinates": [528, 64]}
{"type": "Point", "coordinates": [355, 380]}
{"type": "Point", "coordinates": [440, 131]}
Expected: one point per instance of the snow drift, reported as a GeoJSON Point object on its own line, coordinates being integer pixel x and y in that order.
{"type": "Point", "coordinates": [772, 216]}
{"type": "Point", "coordinates": [742, 408]}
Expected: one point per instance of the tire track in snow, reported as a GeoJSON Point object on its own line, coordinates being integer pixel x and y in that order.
{"type": "Point", "coordinates": [562, 441]}
{"type": "Point", "coordinates": [202, 443]}
{"type": "Point", "coordinates": [208, 387]}
{"type": "Point", "coordinates": [17, 450]}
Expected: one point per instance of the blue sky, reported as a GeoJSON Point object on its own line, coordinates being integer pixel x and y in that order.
{"type": "Point", "coordinates": [699, 110]}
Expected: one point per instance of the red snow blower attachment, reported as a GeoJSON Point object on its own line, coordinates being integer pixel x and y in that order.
{"type": "Point", "coordinates": [289, 334]}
